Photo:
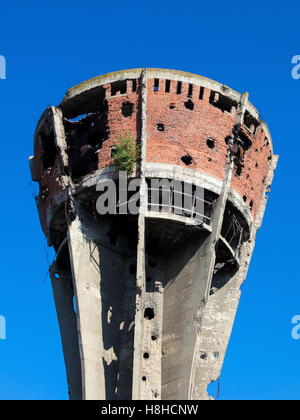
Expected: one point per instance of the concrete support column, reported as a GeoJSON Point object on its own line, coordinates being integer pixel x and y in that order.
{"type": "Point", "coordinates": [86, 279]}
{"type": "Point", "coordinates": [63, 297]}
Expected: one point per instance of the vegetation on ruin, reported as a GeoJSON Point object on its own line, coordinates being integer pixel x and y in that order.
{"type": "Point", "coordinates": [126, 153]}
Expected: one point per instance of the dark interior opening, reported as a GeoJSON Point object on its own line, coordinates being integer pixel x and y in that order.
{"type": "Point", "coordinates": [222, 102]}
{"type": "Point", "coordinates": [49, 150]}
{"type": "Point", "coordinates": [119, 87]}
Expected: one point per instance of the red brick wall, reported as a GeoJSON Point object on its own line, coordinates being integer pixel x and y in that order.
{"type": "Point", "coordinates": [118, 124]}
{"type": "Point", "coordinates": [185, 132]}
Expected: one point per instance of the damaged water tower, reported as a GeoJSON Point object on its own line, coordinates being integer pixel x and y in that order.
{"type": "Point", "coordinates": [146, 302]}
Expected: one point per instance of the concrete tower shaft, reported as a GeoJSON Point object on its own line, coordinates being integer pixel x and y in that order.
{"type": "Point", "coordinates": [156, 293]}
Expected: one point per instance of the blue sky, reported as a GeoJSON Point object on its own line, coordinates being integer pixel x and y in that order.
{"type": "Point", "coordinates": [51, 46]}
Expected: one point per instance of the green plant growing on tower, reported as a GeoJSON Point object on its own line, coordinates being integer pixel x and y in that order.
{"type": "Point", "coordinates": [126, 153]}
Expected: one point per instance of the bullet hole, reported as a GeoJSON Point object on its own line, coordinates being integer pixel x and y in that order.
{"type": "Point", "coordinates": [149, 313]}
{"type": "Point", "coordinates": [146, 355]}
{"type": "Point", "coordinates": [155, 394]}
{"type": "Point", "coordinates": [248, 176]}
{"type": "Point", "coordinates": [179, 86]}
{"type": "Point", "coordinates": [127, 109]}
{"type": "Point", "coordinates": [189, 104]}
{"type": "Point", "coordinates": [251, 204]}
{"type": "Point", "coordinates": [209, 159]}
{"type": "Point", "coordinates": [153, 337]}
{"type": "Point", "coordinates": [256, 165]}
{"type": "Point", "coordinates": [167, 86]}
{"type": "Point", "coordinates": [172, 106]}
{"type": "Point", "coordinates": [210, 143]}
{"type": "Point", "coordinates": [160, 127]}
{"type": "Point", "coordinates": [245, 198]}
{"type": "Point", "coordinates": [203, 356]}
{"type": "Point", "coordinates": [187, 159]}
{"type": "Point", "coordinates": [44, 193]}
{"type": "Point", "coordinates": [144, 378]}
{"type": "Point", "coordinates": [132, 269]}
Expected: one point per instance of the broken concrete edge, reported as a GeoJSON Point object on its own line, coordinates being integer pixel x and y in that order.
{"type": "Point", "coordinates": [231, 293]}
{"type": "Point", "coordinates": [216, 222]}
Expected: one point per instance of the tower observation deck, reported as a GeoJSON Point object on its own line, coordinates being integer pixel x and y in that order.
{"type": "Point", "coordinates": [146, 302]}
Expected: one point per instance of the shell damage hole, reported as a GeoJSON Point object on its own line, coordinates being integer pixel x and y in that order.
{"type": "Point", "coordinates": [187, 159]}
{"type": "Point", "coordinates": [118, 88]}
{"type": "Point", "coordinates": [149, 313]}
{"type": "Point", "coordinates": [146, 355]}
{"type": "Point", "coordinates": [251, 204]}
{"type": "Point", "coordinates": [245, 198]}
{"type": "Point", "coordinates": [210, 143]}
{"type": "Point", "coordinates": [160, 127]}
{"type": "Point", "coordinates": [144, 378]}
{"type": "Point", "coordinates": [189, 105]}
{"type": "Point", "coordinates": [172, 106]}
{"type": "Point", "coordinates": [127, 109]}
{"type": "Point", "coordinates": [153, 337]}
